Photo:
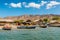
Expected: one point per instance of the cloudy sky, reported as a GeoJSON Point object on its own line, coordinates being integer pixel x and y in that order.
{"type": "Point", "coordinates": [33, 7]}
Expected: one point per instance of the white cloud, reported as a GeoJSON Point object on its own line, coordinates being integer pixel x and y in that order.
{"type": "Point", "coordinates": [27, 5]}
{"type": "Point", "coordinates": [52, 4]}
{"type": "Point", "coordinates": [32, 4]}
{"type": "Point", "coordinates": [18, 5]}
{"type": "Point", "coordinates": [35, 5]}
{"type": "Point", "coordinates": [43, 2]}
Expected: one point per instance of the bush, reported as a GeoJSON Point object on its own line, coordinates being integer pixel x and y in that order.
{"type": "Point", "coordinates": [45, 20]}
{"type": "Point", "coordinates": [28, 21]}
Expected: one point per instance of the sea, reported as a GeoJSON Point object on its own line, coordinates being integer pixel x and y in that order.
{"type": "Point", "coordinates": [50, 33]}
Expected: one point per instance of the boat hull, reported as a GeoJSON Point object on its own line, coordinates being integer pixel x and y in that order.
{"type": "Point", "coordinates": [6, 28]}
{"type": "Point", "coordinates": [54, 25]}
{"type": "Point", "coordinates": [30, 27]}
{"type": "Point", "coordinates": [43, 26]}
{"type": "Point", "coordinates": [26, 27]}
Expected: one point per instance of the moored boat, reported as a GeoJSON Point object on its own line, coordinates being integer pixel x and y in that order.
{"type": "Point", "coordinates": [30, 27]}
{"type": "Point", "coordinates": [43, 26]}
{"type": "Point", "coordinates": [7, 27]}
{"type": "Point", "coordinates": [21, 27]}
{"type": "Point", "coordinates": [26, 27]}
{"type": "Point", "coordinates": [54, 24]}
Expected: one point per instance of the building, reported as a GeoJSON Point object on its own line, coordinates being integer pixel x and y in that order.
{"type": "Point", "coordinates": [5, 21]}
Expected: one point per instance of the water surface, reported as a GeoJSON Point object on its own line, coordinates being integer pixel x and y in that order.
{"type": "Point", "coordinates": [51, 33]}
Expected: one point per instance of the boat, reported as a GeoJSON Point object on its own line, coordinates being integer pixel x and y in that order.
{"type": "Point", "coordinates": [54, 24]}
{"type": "Point", "coordinates": [26, 27]}
{"type": "Point", "coordinates": [30, 27]}
{"type": "Point", "coordinates": [21, 27]}
{"type": "Point", "coordinates": [6, 27]}
{"type": "Point", "coordinates": [43, 25]}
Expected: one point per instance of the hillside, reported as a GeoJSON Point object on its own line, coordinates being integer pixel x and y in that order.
{"type": "Point", "coordinates": [31, 17]}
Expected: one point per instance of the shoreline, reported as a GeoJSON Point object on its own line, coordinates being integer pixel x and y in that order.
{"type": "Point", "coordinates": [14, 27]}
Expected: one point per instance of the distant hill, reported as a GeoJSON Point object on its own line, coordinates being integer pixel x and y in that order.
{"type": "Point", "coordinates": [30, 17]}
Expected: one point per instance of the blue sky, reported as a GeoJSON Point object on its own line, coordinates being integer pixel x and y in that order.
{"type": "Point", "coordinates": [33, 7]}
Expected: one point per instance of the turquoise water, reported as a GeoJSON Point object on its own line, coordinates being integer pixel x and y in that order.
{"type": "Point", "coordinates": [31, 34]}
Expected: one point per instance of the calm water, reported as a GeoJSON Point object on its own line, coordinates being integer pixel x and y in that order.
{"type": "Point", "coordinates": [31, 34]}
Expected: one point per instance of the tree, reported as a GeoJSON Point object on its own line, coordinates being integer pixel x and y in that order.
{"type": "Point", "coordinates": [24, 23]}
{"type": "Point", "coordinates": [19, 21]}
{"type": "Point", "coordinates": [28, 21]}
{"type": "Point", "coordinates": [45, 20]}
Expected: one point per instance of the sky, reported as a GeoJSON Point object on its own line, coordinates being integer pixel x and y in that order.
{"type": "Point", "coordinates": [29, 7]}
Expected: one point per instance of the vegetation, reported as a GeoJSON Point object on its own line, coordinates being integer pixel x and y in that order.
{"type": "Point", "coordinates": [28, 21]}
{"type": "Point", "coordinates": [45, 20]}
{"type": "Point", "coordinates": [18, 21]}
{"type": "Point", "coordinates": [55, 18]}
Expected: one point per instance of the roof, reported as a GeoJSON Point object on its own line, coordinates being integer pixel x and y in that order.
{"type": "Point", "coordinates": [6, 20]}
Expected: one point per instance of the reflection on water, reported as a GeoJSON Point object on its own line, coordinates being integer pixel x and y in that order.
{"type": "Point", "coordinates": [52, 33]}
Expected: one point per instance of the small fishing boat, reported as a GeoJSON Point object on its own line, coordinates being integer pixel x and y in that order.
{"type": "Point", "coordinates": [43, 25]}
{"type": "Point", "coordinates": [6, 27]}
